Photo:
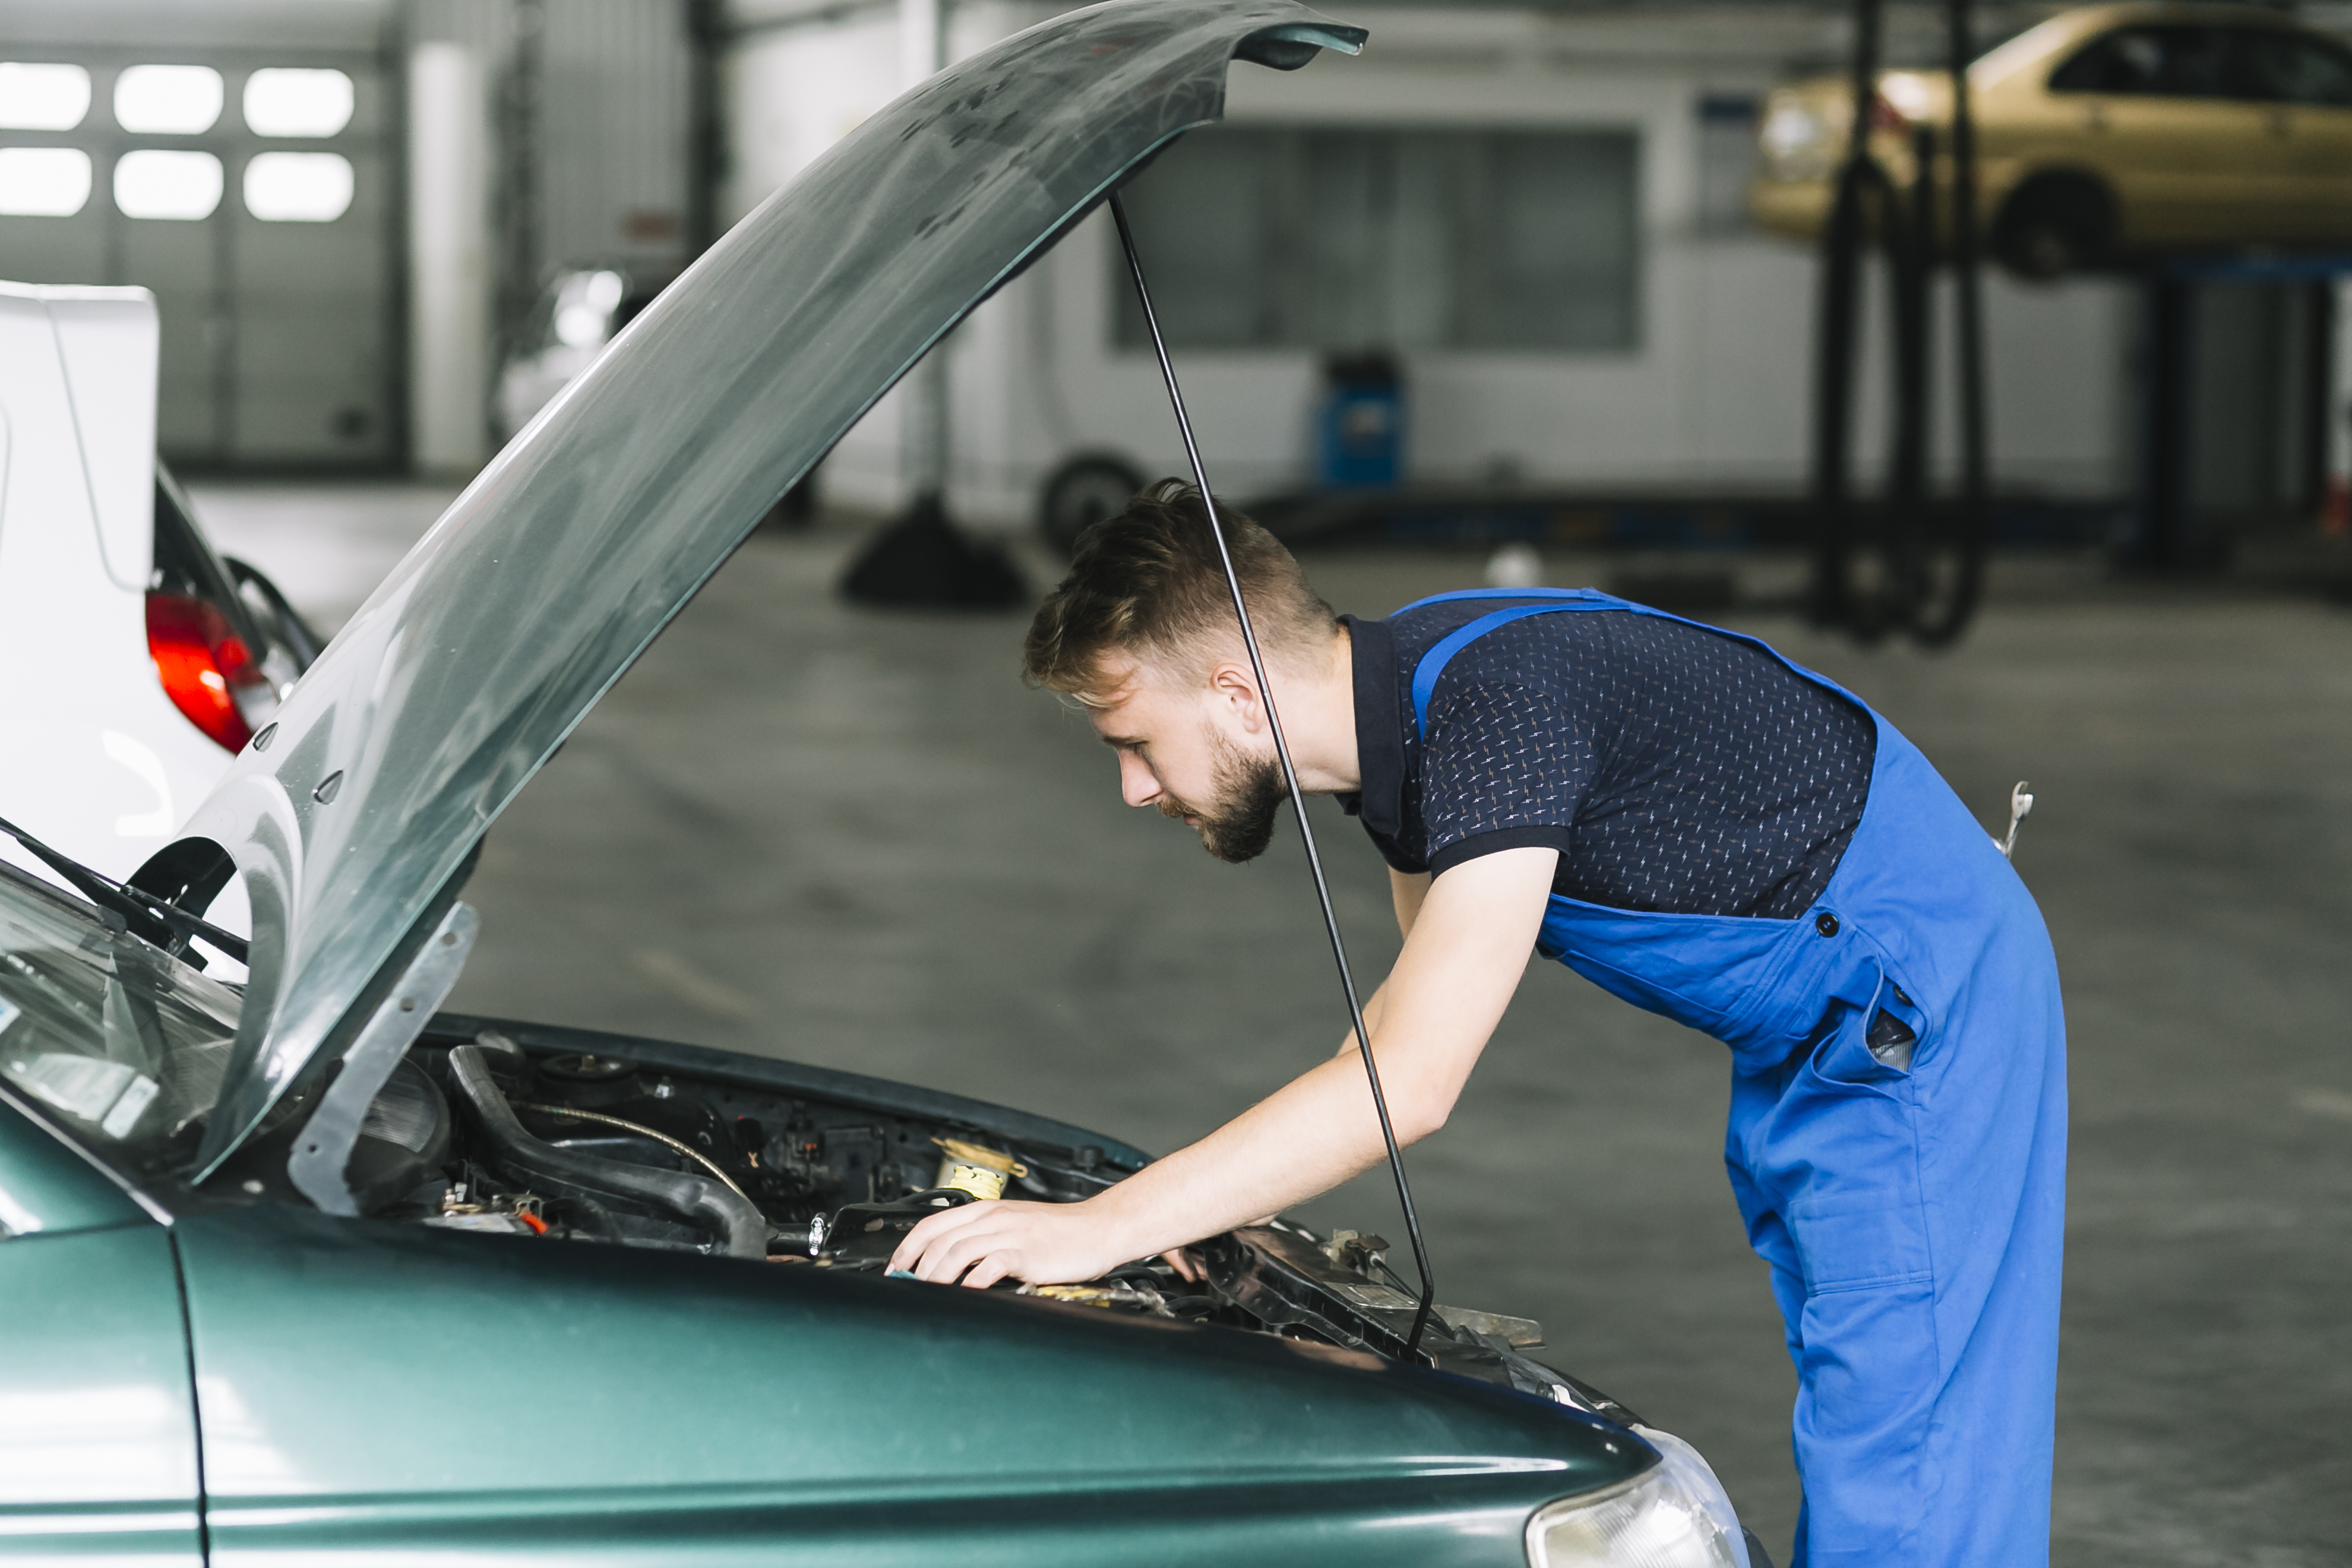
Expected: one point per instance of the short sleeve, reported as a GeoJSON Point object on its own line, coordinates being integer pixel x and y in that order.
{"type": "Point", "coordinates": [1506, 765]}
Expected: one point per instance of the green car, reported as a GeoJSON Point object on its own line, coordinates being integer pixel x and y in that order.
{"type": "Point", "coordinates": [306, 1268]}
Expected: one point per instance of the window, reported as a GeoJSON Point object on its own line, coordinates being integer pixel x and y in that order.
{"type": "Point", "coordinates": [42, 96]}
{"type": "Point", "coordinates": [156, 184]}
{"type": "Point", "coordinates": [2289, 68]}
{"type": "Point", "coordinates": [1557, 269]}
{"type": "Point", "coordinates": [169, 100]}
{"type": "Point", "coordinates": [1395, 240]}
{"type": "Point", "coordinates": [1727, 146]}
{"type": "Point", "coordinates": [298, 187]}
{"type": "Point", "coordinates": [2165, 62]}
{"type": "Point", "coordinates": [2262, 65]}
{"type": "Point", "coordinates": [283, 102]}
{"type": "Point", "coordinates": [1203, 219]}
{"type": "Point", "coordinates": [42, 182]}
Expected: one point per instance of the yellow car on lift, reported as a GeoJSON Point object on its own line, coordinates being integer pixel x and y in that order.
{"type": "Point", "coordinates": [2104, 136]}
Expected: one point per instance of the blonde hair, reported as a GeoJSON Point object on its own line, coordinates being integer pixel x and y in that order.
{"type": "Point", "coordinates": [1147, 584]}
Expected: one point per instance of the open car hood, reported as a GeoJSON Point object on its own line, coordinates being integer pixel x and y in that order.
{"type": "Point", "coordinates": [353, 815]}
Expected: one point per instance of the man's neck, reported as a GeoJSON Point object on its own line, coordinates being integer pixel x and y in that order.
{"type": "Point", "coordinates": [1318, 719]}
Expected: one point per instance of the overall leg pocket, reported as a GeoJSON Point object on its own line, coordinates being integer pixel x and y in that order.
{"type": "Point", "coordinates": [1867, 1375]}
{"type": "Point", "coordinates": [1841, 1154]}
{"type": "Point", "coordinates": [1865, 1405]}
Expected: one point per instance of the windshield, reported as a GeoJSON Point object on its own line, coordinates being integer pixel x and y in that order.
{"type": "Point", "coordinates": [2017, 48]}
{"type": "Point", "coordinates": [115, 1042]}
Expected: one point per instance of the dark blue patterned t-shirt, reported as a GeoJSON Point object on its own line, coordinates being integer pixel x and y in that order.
{"type": "Point", "coordinates": [1675, 768]}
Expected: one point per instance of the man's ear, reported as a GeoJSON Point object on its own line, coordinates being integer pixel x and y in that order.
{"type": "Point", "coordinates": [1233, 690]}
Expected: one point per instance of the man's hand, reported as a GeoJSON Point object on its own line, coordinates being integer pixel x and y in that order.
{"type": "Point", "coordinates": [979, 1244]}
{"type": "Point", "coordinates": [1471, 931]}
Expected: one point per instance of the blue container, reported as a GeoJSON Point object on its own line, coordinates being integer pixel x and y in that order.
{"type": "Point", "coordinates": [1360, 428]}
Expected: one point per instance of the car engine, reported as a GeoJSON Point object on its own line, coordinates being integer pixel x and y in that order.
{"type": "Point", "coordinates": [564, 1135]}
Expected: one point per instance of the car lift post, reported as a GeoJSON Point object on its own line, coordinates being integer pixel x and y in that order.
{"type": "Point", "coordinates": [2160, 543]}
{"type": "Point", "coordinates": [1910, 263]}
{"type": "Point", "coordinates": [1973, 535]}
{"type": "Point", "coordinates": [1910, 593]}
{"type": "Point", "coordinates": [2169, 322]}
{"type": "Point", "coordinates": [1834, 362]}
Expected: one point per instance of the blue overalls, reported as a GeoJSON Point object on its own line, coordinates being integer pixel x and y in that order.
{"type": "Point", "coordinates": [1912, 1218]}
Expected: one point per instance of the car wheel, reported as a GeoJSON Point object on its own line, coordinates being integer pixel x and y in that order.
{"type": "Point", "coordinates": [1082, 492]}
{"type": "Point", "coordinates": [2054, 226]}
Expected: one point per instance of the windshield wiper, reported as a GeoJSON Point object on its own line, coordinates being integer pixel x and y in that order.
{"type": "Point", "coordinates": [161, 923]}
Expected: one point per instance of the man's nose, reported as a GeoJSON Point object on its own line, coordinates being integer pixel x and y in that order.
{"type": "Point", "coordinates": [1137, 786]}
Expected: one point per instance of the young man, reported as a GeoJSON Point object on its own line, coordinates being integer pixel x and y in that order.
{"type": "Point", "coordinates": [1706, 831]}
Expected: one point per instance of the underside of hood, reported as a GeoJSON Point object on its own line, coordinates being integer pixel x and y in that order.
{"type": "Point", "coordinates": [352, 816]}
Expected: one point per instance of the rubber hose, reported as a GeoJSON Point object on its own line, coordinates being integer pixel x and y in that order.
{"type": "Point", "coordinates": [701, 1202]}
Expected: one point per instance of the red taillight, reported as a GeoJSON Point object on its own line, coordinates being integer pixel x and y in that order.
{"type": "Point", "coordinates": [207, 671]}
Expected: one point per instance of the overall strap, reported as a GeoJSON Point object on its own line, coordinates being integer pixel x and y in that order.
{"type": "Point", "coordinates": [1509, 593]}
{"type": "Point", "coordinates": [1432, 663]}
{"type": "Point", "coordinates": [1552, 600]}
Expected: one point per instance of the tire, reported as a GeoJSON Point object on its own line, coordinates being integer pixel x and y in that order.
{"type": "Point", "coordinates": [2054, 226]}
{"type": "Point", "coordinates": [1082, 492]}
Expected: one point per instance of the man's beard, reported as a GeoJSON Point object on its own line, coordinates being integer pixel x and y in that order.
{"type": "Point", "coordinates": [1249, 793]}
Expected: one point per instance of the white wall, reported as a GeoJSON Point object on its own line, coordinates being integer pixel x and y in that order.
{"type": "Point", "coordinates": [1713, 397]}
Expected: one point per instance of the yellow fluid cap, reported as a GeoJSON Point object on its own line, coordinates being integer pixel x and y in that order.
{"type": "Point", "coordinates": [971, 1168]}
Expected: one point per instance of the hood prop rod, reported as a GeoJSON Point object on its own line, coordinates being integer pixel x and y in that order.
{"type": "Point", "coordinates": [1289, 777]}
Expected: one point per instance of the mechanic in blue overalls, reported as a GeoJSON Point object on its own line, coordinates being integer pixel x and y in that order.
{"type": "Point", "coordinates": [1697, 824]}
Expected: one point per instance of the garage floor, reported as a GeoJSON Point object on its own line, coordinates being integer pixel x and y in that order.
{"type": "Point", "coordinates": [852, 838]}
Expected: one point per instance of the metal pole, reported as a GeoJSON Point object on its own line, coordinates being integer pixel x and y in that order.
{"type": "Point", "coordinates": [2164, 431]}
{"type": "Point", "coordinates": [1972, 532]}
{"type": "Point", "coordinates": [1910, 252]}
{"type": "Point", "coordinates": [1289, 778]}
{"type": "Point", "coordinates": [1834, 344]}
{"type": "Point", "coordinates": [922, 52]}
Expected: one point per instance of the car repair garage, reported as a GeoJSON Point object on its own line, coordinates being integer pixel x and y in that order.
{"type": "Point", "coordinates": [633, 615]}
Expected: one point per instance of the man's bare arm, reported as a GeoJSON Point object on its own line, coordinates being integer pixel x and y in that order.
{"type": "Point", "coordinates": [1468, 945]}
{"type": "Point", "coordinates": [1406, 891]}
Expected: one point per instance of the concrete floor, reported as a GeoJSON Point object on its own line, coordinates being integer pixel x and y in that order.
{"type": "Point", "coordinates": [852, 838]}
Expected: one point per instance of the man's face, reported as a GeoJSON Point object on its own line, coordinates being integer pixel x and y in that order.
{"type": "Point", "coordinates": [1198, 757]}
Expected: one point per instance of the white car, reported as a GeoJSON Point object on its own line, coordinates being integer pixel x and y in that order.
{"type": "Point", "coordinates": [578, 314]}
{"type": "Point", "coordinates": [144, 660]}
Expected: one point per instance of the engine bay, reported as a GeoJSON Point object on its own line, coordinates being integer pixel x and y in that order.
{"type": "Point", "coordinates": [551, 1134]}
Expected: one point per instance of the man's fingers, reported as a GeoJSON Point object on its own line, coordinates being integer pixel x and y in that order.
{"type": "Point", "coordinates": [983, 1242]}
{"type": "Point", "coordinates": [910, 1247]}
{"type": "Point", "coordinates": [1177, 1258]}
{"type": "Point", "coordinates": [953, 1258]}
{"type": "Point", "coordinates": [945, 1260]}
{"type": "Point", "coordinates": [932, 1230]}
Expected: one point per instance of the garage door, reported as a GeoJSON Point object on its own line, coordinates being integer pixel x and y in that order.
{"type": "Point", "coordinates": [252, 193]}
